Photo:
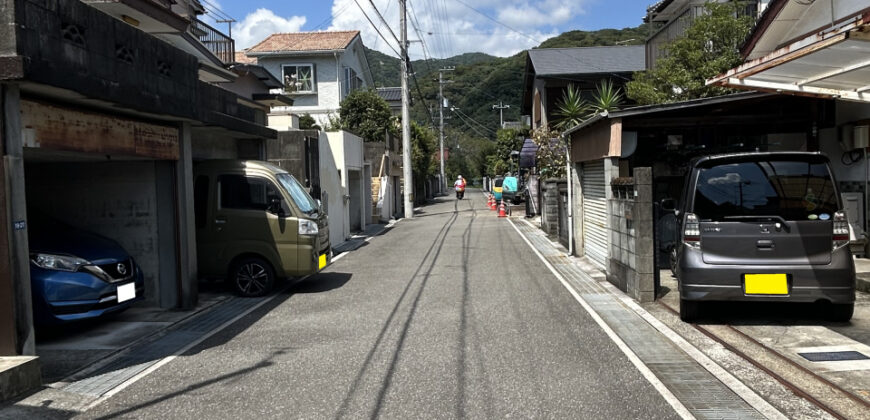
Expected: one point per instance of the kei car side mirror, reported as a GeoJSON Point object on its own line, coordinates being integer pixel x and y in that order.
{"type": "Point", "coordinates": [275, 206]}
{"type": "Point", "coordinates": [669, 204]}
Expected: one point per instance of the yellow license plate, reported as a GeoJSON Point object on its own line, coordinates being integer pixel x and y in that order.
{"type": "Point", "coordinates": [321, 262]}
{"type": "Point", "coordinates": [765, 284]}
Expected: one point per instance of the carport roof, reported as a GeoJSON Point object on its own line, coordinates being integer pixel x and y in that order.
{"type": "Point", "coordinates": [789, 52]}
{"type": "Point", "coordinates": [652, 109]}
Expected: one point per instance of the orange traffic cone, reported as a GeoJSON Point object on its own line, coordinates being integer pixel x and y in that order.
{"type": "Point", "coordinates": [491, 203]}
{"type": "Point", "coordinates": [502, 211]}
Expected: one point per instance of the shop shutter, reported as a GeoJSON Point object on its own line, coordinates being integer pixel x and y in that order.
{"type": "Point", "coordinates": [594, 211]}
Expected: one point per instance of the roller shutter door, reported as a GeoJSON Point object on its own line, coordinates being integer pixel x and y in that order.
{"type": "Point", "coordinates": [594, 211]}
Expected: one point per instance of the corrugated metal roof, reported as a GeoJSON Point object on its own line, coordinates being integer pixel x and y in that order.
{"type": "Point", "coordinates": [390, 93]}
{"type": "Point", "coordinates": [586, 60]}
{"type": "Point", "coordinates": [305, 41]}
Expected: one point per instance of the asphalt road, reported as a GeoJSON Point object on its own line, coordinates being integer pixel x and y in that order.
{"type": "Point", "coordinates": [448, 315]}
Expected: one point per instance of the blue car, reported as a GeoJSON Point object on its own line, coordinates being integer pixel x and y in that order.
{"type": "Point", "coordinates": [77, 275]}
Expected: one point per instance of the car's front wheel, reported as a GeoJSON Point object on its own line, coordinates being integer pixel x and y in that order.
{"type": "Point", "coordinates": [841, 312]}
{"type": "Point", "coordinates": [252, 277]}
{"type": "Point", "coordinates": [689, 310]}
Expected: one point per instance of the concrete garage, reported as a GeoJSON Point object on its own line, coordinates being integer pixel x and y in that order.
{"type": "Point", "coordinates": [123, 191]}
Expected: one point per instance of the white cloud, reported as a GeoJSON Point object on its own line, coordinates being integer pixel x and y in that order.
{"type": "Point", "coordinates": [258, 25]}
{"type": "Point", "coordinates": [451, 28]}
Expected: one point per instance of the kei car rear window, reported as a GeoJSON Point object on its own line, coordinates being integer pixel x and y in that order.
{"type": "Point", "coordinates": [791, 189]}
{"type": "Point", "coordinates": [499, 182]}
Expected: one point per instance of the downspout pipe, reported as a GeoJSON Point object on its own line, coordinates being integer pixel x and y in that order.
{"type": "Point", "coordinates": [567, 139]}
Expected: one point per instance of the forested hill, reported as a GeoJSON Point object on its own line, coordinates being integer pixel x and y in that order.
{"type": "Point", "coordinates": [481, 80]}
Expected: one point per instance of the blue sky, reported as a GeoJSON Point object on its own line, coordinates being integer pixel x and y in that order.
{"type": "Point", "coordinates": [448, 27]}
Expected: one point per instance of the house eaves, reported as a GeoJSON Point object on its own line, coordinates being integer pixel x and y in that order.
{"type": "Point", "coordinates": [594, 119]}
{"type": "Point", "coordinates": [259, 72]}
{"type": "Point", "coordinates": [832, 63]}
{"type": "Point", "coordinates": [294, 53]}
{"type": "Point", "coordinates": [674, 106]}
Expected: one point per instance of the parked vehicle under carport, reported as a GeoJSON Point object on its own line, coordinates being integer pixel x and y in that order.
{"type": "Point", "coordinates": [764, 227]}
{"type": "Point", "coordinates": [77, 275]}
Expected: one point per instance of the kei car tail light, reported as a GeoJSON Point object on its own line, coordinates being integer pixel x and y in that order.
{"type": "Point", "coordinates": [841, 229]}
{"type": "Point", "coordinates": [692, 231]}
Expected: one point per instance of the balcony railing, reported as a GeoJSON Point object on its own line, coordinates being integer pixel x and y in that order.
{"type": "Point", "coordinates": [222, 46]}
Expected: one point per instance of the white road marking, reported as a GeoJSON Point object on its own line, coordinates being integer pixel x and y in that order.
{"type": "Point", "coordinates": [678, 406]}
{"type": "Point", "coordinates": [729, 380]}
{"type": "Point", "coordinates": [389, 225]}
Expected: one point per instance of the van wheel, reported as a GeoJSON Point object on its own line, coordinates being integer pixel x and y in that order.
{"type": "Point", "coordinates": [252, 277]}
{"type": "Point", "coordinates": [689, 310]}
{"type": "Point", "coordinates": [841, 312]}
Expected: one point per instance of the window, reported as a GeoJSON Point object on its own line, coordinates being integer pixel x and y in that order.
{"type": "Point", "coordinates": [304, 201]}
{"type": "Point", "coordinates": [200, 201]}
{"type": "Point", "coordinates": [299, 78]}
{"type": "Point", "coordinates": [246, 193]}
{"type": "Point", "coordinates": [352, 81]}
{"type": "Point", "coordinates": [793, 190]}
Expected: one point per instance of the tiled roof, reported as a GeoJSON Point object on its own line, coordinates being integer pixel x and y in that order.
{"type": "Point", "coordinates": [243, 58]}
{"type": "Point", "coordinates": [390, 93]}
{"type": "Point", "coordinates": [305, 41]}
{"type": "Point", "coordinates": [588, 60]}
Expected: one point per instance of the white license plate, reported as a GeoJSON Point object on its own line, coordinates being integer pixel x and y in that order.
{"type": "Point", "coordinates": [126, 292]}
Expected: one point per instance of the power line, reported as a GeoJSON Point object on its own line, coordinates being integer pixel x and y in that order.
{"type": "Point", "coordinates": [376, 28]}
{"type": "Point", "coordinates": [463, 115]}
{"type": "Point", "coordinates": [384, 21]}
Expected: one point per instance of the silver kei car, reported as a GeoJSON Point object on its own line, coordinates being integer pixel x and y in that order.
{"type": "Point", "coordinates": [763, 226]}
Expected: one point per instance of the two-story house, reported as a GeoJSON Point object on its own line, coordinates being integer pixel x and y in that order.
{"type": "Point", "coordinates": [549, 71]}
{"type": "Point", "coordinates": [318, 70]}
{"type": "Point", "coordinates": [669, 19]}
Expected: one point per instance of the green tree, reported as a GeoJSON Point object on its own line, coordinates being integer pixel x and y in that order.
{"type": "Point", "coordinates": [307, 122]}
{"type": "Point", "coordinates": [423, 154]}
{"type": "Point", "coordinates": [709, 47]}
{"type": "Point", "coordinates": [551, 156]}
{"type": "Point", "coordinates": [366, 114]}
{"type": "Point", "coordinates": [507, 140]}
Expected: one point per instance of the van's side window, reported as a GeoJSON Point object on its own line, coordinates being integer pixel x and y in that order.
{"type": "Point", "coordinates": [200, 200]}
{"type": "Point", "coordinates": [247, 193]}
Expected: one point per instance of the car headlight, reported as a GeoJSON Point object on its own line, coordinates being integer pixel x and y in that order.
{"type": "Point", "coordinates": [307, 227]}
{"type": "Point", "coordinates": [57, 262]}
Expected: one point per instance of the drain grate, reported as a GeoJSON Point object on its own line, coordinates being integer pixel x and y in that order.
{"type": "Point", "coordinates": [834, 356]}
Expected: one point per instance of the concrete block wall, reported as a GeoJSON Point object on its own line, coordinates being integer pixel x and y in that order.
{"type": "Point", "coordinates": [631, 266]}
{"type": "Point", "coordinates": [550, 207]}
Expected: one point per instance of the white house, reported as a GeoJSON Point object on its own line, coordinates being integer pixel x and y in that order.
{"type": "Point", "coordinates": [318, 70]}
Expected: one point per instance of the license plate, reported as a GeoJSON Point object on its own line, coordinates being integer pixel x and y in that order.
{"type": "Point", "coordinates": [765, 284]}
{"type": "Point", "coordinates": [321, 261]}
{"type": "Point", "coordinates": [126, 292]}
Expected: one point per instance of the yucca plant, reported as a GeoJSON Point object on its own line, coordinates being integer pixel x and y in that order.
{"type": "Point", "coordinates": [571, 109]}
{"type": "Point", "coordinates": [607, 97]}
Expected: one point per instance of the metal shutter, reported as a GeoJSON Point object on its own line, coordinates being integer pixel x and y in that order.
{"type": "Point", "coordinates": [594, 211]}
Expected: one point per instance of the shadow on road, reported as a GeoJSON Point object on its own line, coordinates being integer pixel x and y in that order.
{"type": "Point", "coordinates": [323, 282]}
{"type": "Point", "coordinates": [430, 257]}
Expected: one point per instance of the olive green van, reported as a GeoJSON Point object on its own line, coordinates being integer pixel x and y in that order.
{"type": "Point", "coordinates": [254, 223]}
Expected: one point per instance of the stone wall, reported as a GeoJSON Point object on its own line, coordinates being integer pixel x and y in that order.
{"type": "Point", "coordinates": [631, 266]}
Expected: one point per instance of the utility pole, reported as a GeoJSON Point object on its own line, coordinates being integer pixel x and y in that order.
{"type": "Point", "coordinates": [441, 83]}
{"type": "Point", "coordinates": [501, 107]}
{"type": "Point", "coordinates": [406, 115]}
